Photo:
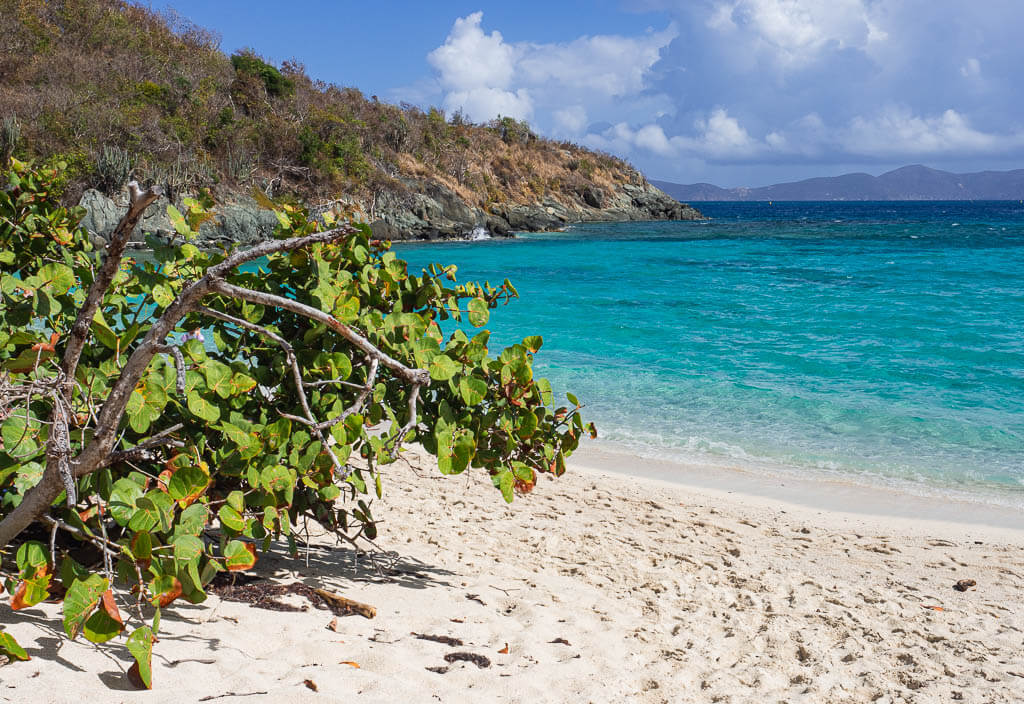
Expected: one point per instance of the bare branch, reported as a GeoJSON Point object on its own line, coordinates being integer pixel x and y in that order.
{"type": "Point", "coordinates": [179, 365]}
{"type": "Point", "coordinates": [410, 374]}
{"type": "Point", "coordinates": [139, 201]}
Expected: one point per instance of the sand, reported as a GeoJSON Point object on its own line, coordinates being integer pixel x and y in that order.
{"type": "Point", "coordinates": [596, 587]}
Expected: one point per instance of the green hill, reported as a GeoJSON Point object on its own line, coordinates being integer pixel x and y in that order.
{"type": "Point", "coordinates": [116, 90]}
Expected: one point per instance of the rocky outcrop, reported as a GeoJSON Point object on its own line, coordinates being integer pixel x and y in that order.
{"type": "Point", "coordinates": [242, 220]}
{"type": "Point", "coordinates": [430, 210]}
{"type": "Point", "coordinates": [423, 209]}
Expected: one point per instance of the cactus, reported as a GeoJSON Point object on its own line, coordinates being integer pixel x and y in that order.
{"type": "Point", "coordinates": [10, 137]}
{"type": "Point", "coordinates": [114, 167]}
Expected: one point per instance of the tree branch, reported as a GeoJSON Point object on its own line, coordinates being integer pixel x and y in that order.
{"type": "Point", "coordinates": [96, 454]}
{"type": "Point", "coordinates": [410, 374]}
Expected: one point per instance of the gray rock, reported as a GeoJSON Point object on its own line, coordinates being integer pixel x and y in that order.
{"type": "Point", "coordinates": [418, 209]}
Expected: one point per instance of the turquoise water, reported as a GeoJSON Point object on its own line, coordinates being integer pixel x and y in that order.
{"type": "Point", "coordinates": [872, 342]}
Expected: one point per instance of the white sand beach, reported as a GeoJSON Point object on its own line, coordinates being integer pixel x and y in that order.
{"type": "Point", "coordinates": [596, 587]}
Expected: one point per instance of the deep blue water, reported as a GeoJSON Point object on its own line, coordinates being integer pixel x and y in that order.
{"type": "Point", "coordinates": [876, 342]}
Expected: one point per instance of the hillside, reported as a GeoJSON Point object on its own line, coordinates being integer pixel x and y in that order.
{"type": "Point", "coordinates": [906, 183]}
{"type": "Point", "coordinates": [116, 90]}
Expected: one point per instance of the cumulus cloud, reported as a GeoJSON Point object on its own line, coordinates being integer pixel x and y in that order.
{"type": "Point", "coordinates": [485, 76]}
{"type": "Point", "coordinates": [898, 131]}
{"type": "Point", "coordinates": [729, 86]}
{"type": "Point", "coordinates": [476, 70]}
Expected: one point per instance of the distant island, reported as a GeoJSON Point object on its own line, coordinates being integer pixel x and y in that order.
{"type": "Point", "coordinates": [907, 183]}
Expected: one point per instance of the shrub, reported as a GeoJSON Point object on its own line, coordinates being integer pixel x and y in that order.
{"type": "Point", "coordinates": [158, 461]}
{"type": "Point", "coordinates": [275, 84]}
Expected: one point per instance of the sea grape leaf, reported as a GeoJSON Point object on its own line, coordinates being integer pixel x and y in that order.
{"type": "Point", "coordinates": [479, 312]}
{"type": "Point", "coordinates": [140, 645]}
{"type": "Point", "coordinates": [82, 597]}
{"type": "Point", "coordinates": [239, 555]}
{"type": "Point", "coordinates": [231, 518]}
{"type": "Point", "coordinates": [10, 647]}
{"type": "Point", "coordinates": [473, 390]}
{"type": "Point", "coordinates": [106, 622]}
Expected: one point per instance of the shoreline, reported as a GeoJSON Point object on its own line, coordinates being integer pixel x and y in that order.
{"type": "Point", "coordinates": [816, 494]}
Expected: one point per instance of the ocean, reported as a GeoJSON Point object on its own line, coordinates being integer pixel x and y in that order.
{"type": "Point", "coordinates": [871, 343]}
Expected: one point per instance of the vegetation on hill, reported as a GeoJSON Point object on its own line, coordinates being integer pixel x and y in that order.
{"type": "Point", "coordinates": [117, 90]}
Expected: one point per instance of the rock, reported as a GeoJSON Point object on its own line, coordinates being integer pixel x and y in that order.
{"type": "Point", "coordinates": [413, 209]}
{"type": "Point", "coordinates": [593, 196]}
{"type": "Point", "coordinates": [382, 230]}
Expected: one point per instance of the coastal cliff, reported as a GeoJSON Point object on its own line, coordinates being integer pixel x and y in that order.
{"type": "Point", "coordinates": [153, 98]}
{"type": "Point", "coordinates": [424, 210]}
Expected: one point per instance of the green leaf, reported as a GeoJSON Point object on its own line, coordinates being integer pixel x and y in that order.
{"type": "Point", "coordinates": [141, 546]}
{"type": "Point", "coordinates": [187, 548]}
{"type": "Point", "coordinates": [277, 478]}
{"type": "Point", "coordinates": [239, 437]}
{"type": "Point", "coordinates": [442, 368]}
{"type": "Point", "coordinates": [231, 518]}
{"type": "Point", "coordinates": [178, 220]}
{"type": "Point", "coordinates": [533, 343]}
{"type": "Point", "coordinates": [155, 510]}
{"type": "Point", "coordinates": [193, 519]}
{"type": "Point", "coordinates": [106, 622]}
{"type": "Point", "coordinates": [472, 390]}
{"type": "Point", "coordinates": [18, 434]}
{"type": "Point", "coordinates": [506, 481]}
{"type": "Point", "coordinates": [57, 279]}
{"type": "Point", "coordinates": [123, 500]}
{"type": "Point", "coordinates": [30, 557]}
{"type": "Point", "coordinates": [479, 313]}
{"type": "Point", "coordinates": [202, 408]}
{"type": "Point", "coordinates": [163, 295]}
{"type": "Point", "coordinates": [455, 450]}
{"type": "Point", "coordinates": [218, 378]}
{"type": "Point", "coordinates": [241, 384]}
{"type": "Point", "coordinates": [10, 647]}
{"type": "Point", "coordinates": [236, 500]}
{"type": "Point", "coordinates": [140, 645]}
{"type": "Point", "coordinates": [187, 482]}
{"type": "Point", "coordinates": [82, 597]}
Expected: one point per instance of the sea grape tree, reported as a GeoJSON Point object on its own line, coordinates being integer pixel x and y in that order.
{"type": "Point", "coordinates": [166, 419]}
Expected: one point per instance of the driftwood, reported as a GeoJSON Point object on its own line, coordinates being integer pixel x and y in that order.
{"type": "Point", "coordinates": [347, 604]}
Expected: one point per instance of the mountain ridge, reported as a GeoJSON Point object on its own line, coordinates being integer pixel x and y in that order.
{"type": "Point", "coordinates": [913, 182]}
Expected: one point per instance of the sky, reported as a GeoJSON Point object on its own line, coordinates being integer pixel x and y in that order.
{"type": "Point", "coordinates": [730, 92]}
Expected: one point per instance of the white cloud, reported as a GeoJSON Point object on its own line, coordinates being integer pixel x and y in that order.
{"type": "Point", "coordinates": [471, 59]}
{"type": "Point", "coordinates": [718, 136]}
{"type": "Point", "coordinates": [485, 76]}
{"type": "Point", "coordinates": [896, 131]}
{"type": "Point", "coordinates": [476, 69]}
{"type": "Point", "coordinates": [572, 119]}
{"type": "Point", "coordinates": [794, 32]}
{"type": "Point", "coordinates": [971, 67]}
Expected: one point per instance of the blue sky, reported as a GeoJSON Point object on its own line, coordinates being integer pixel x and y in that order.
{"type": "Point", "coordinates": [732, 92]}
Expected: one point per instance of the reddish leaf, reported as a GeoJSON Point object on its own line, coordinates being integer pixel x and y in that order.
{"type": "Point", "coordinates": [239, 555]}
{"type": "Point", "coordinates": [504, 651]}
{"type": "Point", "coordinates": [349, 663]}
{"type": "Point", "coordinates": [108, 605]}
{"type": "Point", "coordinates": [135, 678]}
{"type": "Point", "coordinates": [18, 600]}
{"type": "Point", "coordinates": [170, 594]}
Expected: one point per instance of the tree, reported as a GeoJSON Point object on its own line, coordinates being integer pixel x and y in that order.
{"type": "Point", "coordinates": [174, 416]}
